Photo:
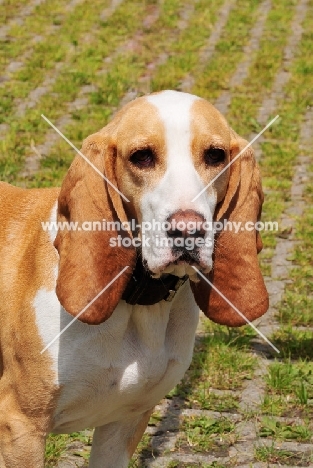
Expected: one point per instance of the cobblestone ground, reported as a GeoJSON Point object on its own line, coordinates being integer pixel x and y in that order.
{"type": "Point", "coordinates": [164, 434]}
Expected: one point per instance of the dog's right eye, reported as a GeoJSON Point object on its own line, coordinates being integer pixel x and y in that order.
{"type": "Point", "coordinates": [143, 158]}
{"type": "Point", "coordinates": [214, 156]}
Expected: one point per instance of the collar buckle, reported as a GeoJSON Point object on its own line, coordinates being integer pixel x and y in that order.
{"type": "Point", "coordinates": [172, 292]}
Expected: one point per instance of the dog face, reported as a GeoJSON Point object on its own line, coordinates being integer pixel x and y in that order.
{"type": "Point", "coordinates": [169, 147]}
{"type": "Point", "coordinates": [174, 158]}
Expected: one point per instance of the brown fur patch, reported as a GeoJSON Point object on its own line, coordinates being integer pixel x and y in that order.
{"type": "Point", "coordinates": [236, 272]}
{"type": "Point", "coordinates": [86, 196]}
{"type": "Point", "coordinates": [27, 389]}
{"type": "Point", "coordinates": [210, 129]}
{"type": "Point", "coordinates": [140, 127]}
{"type": "Point", "coordinates": [138, 433]}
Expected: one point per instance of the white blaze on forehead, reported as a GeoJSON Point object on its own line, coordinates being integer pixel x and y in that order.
{"type": "Point", "coordinates": [174, 109]}
{"type": "Point", "coordinates": [172, 103]}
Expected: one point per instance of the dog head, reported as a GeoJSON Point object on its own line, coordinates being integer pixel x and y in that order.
{"type": "Point", "coordinates": [172, 167]}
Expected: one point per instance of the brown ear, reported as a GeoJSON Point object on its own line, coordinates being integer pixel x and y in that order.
{"type": "Point", "coordinates": [236, 272]}
{"type": "Point", "coordinates": [87, 261]}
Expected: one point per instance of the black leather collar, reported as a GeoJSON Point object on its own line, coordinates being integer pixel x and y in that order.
{"type": "Point", "coordinates": [144, 290]}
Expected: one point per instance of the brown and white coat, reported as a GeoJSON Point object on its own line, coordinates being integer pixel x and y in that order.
{"type": "Point", "coordinates": [113, 365]}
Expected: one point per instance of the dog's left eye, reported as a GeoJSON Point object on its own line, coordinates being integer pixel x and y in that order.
{"type": "Point", "coordinates": [214, 156]}
{"type": "Point", "coordinates": [143, 158]}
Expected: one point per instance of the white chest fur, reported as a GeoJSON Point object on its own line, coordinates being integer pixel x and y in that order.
{"type": "Point", "coordinates": [121, 367]}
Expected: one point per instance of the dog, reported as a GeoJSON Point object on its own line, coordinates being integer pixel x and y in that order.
{"type": "Point", "coordinates": [97, 325]}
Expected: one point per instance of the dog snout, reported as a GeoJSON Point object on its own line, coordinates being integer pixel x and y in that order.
{"type": "Point", "coordinates": [186, 224]}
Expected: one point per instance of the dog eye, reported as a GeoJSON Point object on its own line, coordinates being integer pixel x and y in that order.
{"type": "Point", "coordinates": [143, 158]}
{"type": "Point", "coordinates": [214, 156]}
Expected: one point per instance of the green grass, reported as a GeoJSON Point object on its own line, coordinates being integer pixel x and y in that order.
{"type": "Point", "coordinates": [185, 52]}
{"type": "Point", "coordinates": [57, 444]}
{"type": "Point", "coordinates": [179, 464]}
{"type": "Point", "coordinates": [280, 153]}
{"type": "Point", "coordinates": [297, 305]}
{"type": "Point", "coordinates": [289, 389]}
{"type": "Point", "coordinates": [125, 70]}
{"type": "Point", "coordinates": [54, 48]}
{"type": "Point", "coordinates": [80, 68]}
{"type": "Point", "coordinates": [11, 9]}
{"type": "Point", "coordinates": [212, 78]}
{"type": "Point", "coordinates": [281, 149]}
{"type": "Point", "coordinates": [47, 21]}
{"type": "Point", "coordinates": [206, 435]}
{"type": "Point", "coordinates": [283, 457]}
{"type": "Point", "coordinates": [269, 427]}
{"type": "Point", "coordinates": [206, 399]}
{"type": "Point", "coordinates": [267, 61]}
{"type": "Point", "coordinates": [293, 343]}
{"type": "Point", "coordinates": [222, 361]}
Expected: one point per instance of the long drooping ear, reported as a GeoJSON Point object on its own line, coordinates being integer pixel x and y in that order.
{"type": "Point", "coordinates": [236, 272]}
{"type": "Point", "coordinates": [89, 259]}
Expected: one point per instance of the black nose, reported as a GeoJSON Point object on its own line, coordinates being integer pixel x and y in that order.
{"type": "Point", "coordinates": [185, 224]}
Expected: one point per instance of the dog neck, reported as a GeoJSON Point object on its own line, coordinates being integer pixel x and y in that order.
{"type": "Point", "coordinates": [142, 289]}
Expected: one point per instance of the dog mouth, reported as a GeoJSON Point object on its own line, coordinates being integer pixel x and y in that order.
{"type": "Point", "coordinates": [181, 260]}
{"type": "Point", "coordinates": [185, 263]}
{"type": "Point", "coordinates": [188, 257]}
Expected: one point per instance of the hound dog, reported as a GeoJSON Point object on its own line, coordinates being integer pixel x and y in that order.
{"type": "Point", "coordinates": [136, 303]}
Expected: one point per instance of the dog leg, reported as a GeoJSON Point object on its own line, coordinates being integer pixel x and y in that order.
{"type": "Point", "coordinates": [115, 443]}
{"type": "Point", "coordinates": [21, 445]}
